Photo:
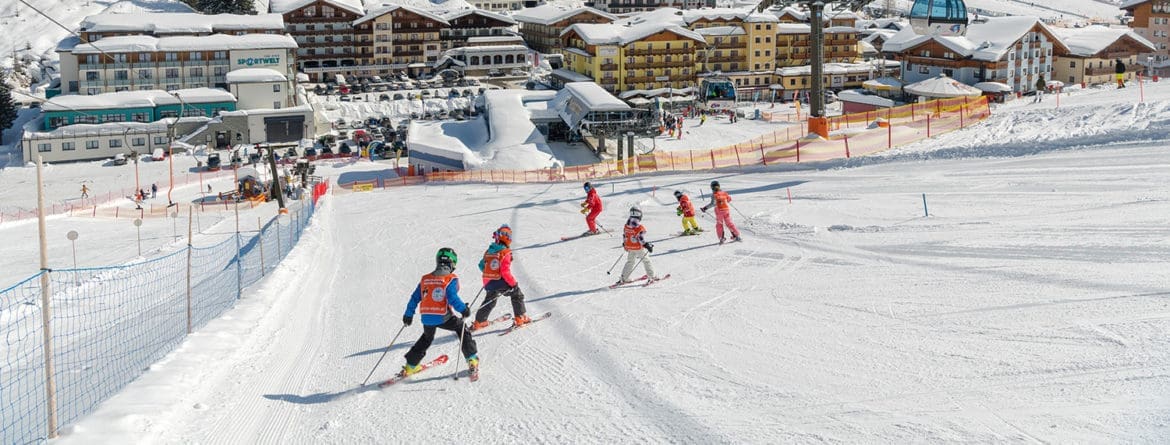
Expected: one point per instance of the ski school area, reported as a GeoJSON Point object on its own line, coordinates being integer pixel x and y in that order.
{"type": "Point", "coordinates": [1002, 282]}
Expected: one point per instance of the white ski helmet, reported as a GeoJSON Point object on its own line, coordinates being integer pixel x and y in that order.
{"type": "Point", "coordinates": [635, 212]}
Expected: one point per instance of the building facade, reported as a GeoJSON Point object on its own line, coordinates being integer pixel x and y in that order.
{"type": "Point", "coordinates": [498, 5]}
{"type": "Point", "coordinates": [127, 63]}
{"type": "Point", "coordinates": [323, 31]}
{"type": "Point", "coordinates": [134, 106]}
{"type": "Point", "coordinates": [473, 23]}
{"type": "Point", "coordinates": [164, 24]}
{"type": "Point", "coordinates": [401, 39]}
{"type": "Point", "coordinates": [1093, 52]}
{"type": "Point", "coordinates": [542, 26]}
{"type": "Point", "coordinates": [621, 58]}
{"type": "Point", "coordinates": [261, 88]}
{"type": "Point", "coordinates": [1150, 19]}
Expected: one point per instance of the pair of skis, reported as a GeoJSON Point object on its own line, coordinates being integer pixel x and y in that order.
{"type": "Point", "coordinates": [639, 282]}
{"type": "Point", "coordinates": [474, 373]}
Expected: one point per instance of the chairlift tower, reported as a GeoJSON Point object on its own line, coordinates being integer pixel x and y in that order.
{"type": "Point", "coordinates": [817, 122]}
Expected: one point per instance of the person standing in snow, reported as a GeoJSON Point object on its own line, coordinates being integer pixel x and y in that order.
{"type": "Point", "coordinates": [84, 191]}
{"type": "Point", "coordinates": [437, 293]}
{"type": "Point", "coordinates": [702, 119]}
{"type": "Point", "coordinates": [153, 190]}
{"type": "Point", "coordinates": [637, 249]}
{"type": "Point", "coordinates": [721, 201]}
{"type": "Point", "coordinates": [687, 211]}
{"type": "Point", "coordinates": [591, 208]}
{"type": "Point", "coordinates": [1119, 68]}
{"type": "Point", "coordinates": [1040, 85]}
{"type": "Point", "coordinates": [498, 281]}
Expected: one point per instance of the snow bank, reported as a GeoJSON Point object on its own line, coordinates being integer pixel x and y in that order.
{"type": "Point", "coordinates": [504, 139]}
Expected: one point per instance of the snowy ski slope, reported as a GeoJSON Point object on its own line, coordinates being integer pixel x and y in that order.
{"type": "Point", "coordinates": [1030, 306]}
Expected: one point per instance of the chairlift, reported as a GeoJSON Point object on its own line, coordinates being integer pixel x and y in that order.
{"type": "Point", "coordinates": [945, 18]}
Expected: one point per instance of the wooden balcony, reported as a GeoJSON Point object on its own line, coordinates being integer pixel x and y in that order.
{"type": "Point", "coordinates": [660, 64]}
{"type": "Point", "coordinates": [609, 67]}
{"type": "Point", "coordinates": [659, 51]}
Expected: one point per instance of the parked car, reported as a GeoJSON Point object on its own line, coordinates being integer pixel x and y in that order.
{"type": "Point", "coordinates": [443, 114]}
{"type": "Point", "coordinates": [473, 82]}
{"type": "Point", "coordinates": [120, 159]}
{"type": "Point", "coordinates": [425, 93]}
{"type": "Point", "coordinates": [291, 153]}
{"type": "Point", "coordinates": [398, 96]}
{"type": "Point", "coordinates": [376, 79]}
{"type": "Point", "coordinates": [453, 93]}
{"type": "Point", "coordinates": [213, 162]}
{"type": "Point", "coordinates": [518, 72]}
{"type": "Point", "coordinates": [158, 155]}
{"type": "Point", "coordinates": [345, 99]}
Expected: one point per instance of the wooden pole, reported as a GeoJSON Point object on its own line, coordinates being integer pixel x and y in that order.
{"type": "Point", "coordinates": [46, 307]}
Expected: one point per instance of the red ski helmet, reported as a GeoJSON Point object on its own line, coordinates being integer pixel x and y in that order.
{"type": "Point", "coordinates": [503, 235]}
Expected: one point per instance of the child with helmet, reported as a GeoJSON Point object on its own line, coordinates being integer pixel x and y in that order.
{"type": "Point", "coordinates": [591, 208]}
{"type": "Point", "coordinates": [437, 293]}
{"type": "Point", "coordinates": [721, 201]}
{"type": "Point", "coordinates": [686, 210]}
{"type": "Point", "coordinates": [637, 249]}
{"type": "Point", "coordinates": [498, 281]}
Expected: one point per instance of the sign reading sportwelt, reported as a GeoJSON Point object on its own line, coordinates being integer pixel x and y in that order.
{"type": "Point", "coordinates": [264, 60]}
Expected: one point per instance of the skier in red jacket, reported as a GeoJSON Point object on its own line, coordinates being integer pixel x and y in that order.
{"type": "Point", "coordinates": [591, 207]}
{"type": "Point", "coordinates": [721, 201]}
{"type": "Point", "coordinates": [498, 281]}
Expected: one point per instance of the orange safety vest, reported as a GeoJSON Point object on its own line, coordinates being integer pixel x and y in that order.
{"type": "Point", "coordinates": [492, 264]}
{"type": "Point", "coordinates": [630, 237]}
{"type": "Point", "coordinates": [722, 200]}
{"type": "Point", "coordinates": [434, 294]}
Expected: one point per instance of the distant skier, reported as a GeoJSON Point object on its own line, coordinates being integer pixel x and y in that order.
{"type": "Point", "coordinates": [153, 191]}
{"type": "Point", "coordinates": [209, 189]}
{"type": "Point", "coordinates": [686, 210]}
{"type": "Point", "coordinates": [721, 201]}
{"type": "Point", "coordinates": [498, 281]}
{"type": "Point", "coordinates": [84, 191]}
{"type": "Point", "coordinates": [1119, 68]}
{"type": "Point", "coordinates": [441, 291]}
{"type": "Point", "coordinates": [637, 249]}
{"type": "Point", "coordinates": [1040, 86]}
{"type": "Point", "coordinates": [591, 208]}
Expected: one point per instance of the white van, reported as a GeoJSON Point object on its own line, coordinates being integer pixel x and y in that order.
{"type": "Point", "coordinates": [158, 155]}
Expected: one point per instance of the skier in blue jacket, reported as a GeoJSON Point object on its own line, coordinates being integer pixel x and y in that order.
{"type": "Point", "coordinates": [441, 291]}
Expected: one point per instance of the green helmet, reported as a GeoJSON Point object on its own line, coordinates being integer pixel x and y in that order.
{"type": "Point", "coordinates": [446, 256]}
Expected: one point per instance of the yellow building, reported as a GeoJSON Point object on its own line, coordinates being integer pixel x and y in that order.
{"type": "Point", "coordinates": [794, 81]}
{"type": "Point", "coordinates": [739, 44]}
{"type": "Point", "coordinates": [1093, 52]}
{"type": "Point", "coordinates": [793, 42]}
{"type": "Point", "coordinates": [622, 58]}
{"type": "Point", "coordinates": [399, 38]}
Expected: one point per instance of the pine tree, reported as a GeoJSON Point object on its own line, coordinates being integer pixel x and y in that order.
{"type": "Point", "coordinates": [223, 6]}
{"type": "Point", "coordinates": [7, 105]}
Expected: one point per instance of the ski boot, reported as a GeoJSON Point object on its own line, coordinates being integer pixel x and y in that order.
{"type": "Point", "coordinates": [409, 370]}
{"type": "Point", "coordinates": [521, 320]}
{"type": "Point", "coordinates": [473, 368]}
{"type": "Point", "coordinates": [721, 240]}
{"type": "Point", "coordinates": [477, 325]}
{"type": "Point", "coordinates": [688, 232]}
{"type": "Point", "coordinates": [736, 238]}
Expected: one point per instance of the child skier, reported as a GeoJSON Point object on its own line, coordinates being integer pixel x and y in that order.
{"type": "Point", "coordinates": [722, 203]}
{"type": "Point", "coordinates": [498, 281]}
{"type": "Point", "coordinates": [686, 210]}
{"type": "Point", "coordinates": [84, 191]}
{"type": "Point", "coordinates": [591, 208]}
{"type": "Point", "coordinates": [441, 291]}
{"type": "Point", "coordinates": [636, 247]}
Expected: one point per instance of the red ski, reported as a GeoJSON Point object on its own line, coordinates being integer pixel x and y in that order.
{"type": "Point", "coordinates": [649, 282]}
{"type": "Point", "coordinates": [428, 365]}
{"type": "Point", "coordinates": [626, 284]}
{"type": "Point", "coordinates": [534, 320]}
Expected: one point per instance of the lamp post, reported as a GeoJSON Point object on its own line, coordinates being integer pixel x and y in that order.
{"type": "Point", "coordinates": [138, 225]}
{"type": "Point", "coordinates": [171, 145]}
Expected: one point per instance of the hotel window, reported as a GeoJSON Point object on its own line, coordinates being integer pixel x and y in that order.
{"type": "Point", "coordinates": [196, 72]}
{"type": "Point", "coordinates": [91, 76]}
{"type": "Point", "coordinates": [120, 58]}
{"type": "Point", "coordinates": [138, 142]}
{"type": "Point", "coordinates": [145, 74]}
{"type": "Point", "coordinates": [121, 75]}
{"type": "Point", "coordinates": [92, 145]}
{"type": "Point", "coordinates": [68, 146]}
{"type": "Point", "coordinates": [159, 140]}
{"type": "Point", "coordinates": [44, 148]}
{"type": "Point", "coordinates": [143, 57]}
{"type": "Point", "coordinates": [115, 143]}
{"type": "Point", "coordinates": [171, 57]}
{"type": "Point", "coordinates": [219, 55]}
{"type": "Point", "coordinates": [140, 117]}
{"type": "Point", "coordinates": [92, 58]}
{"type": "Point", "coordinates": [172, 73]}
{"type": "Point", "coordinates": [276, 88]}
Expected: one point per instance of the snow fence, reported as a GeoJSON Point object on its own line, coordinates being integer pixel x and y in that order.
{"type": "Point", "coordinates": [857, 134]}
{"type": "Point", "coordinates": [109, 324]}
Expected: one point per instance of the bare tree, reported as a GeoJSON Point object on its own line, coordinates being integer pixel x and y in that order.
{"type": "Point", "coordinates": [891, 7]}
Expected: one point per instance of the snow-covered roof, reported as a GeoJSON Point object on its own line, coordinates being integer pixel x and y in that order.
{"type": "Point", "coordinates": [594, 97]}
{"type": "Point", "coordinates": [795, 13]}
{"type": "Point", "coordinates": [941, 86]}
{"type": "Point", "coordinates": [721, 31]}
{"type": "Point", "coordinates": [860, 97]}
{"type": "Point", "coordinates": [494, 39]}
{"type": "Point", "coordinates": [96, 129]}
{"type": "Point", "coordinates": [987, 40]}
{"type": "Point", "coordinates": [866, 47]}
{"type": "Point", "coordinates": [451, 16]}
{"type": "Point", "coordinates": [135, 99]}
{"type": "Point", "coordinates": [793, 28]}
{"type": "Point", "coordinates": [1132, 4]}
{"type": "Point", "coordinates": [571, 75]}
{"type": "Point", "coordinates": [553, 12]}
{"type": "Point", "coordinates": [504, 139]}
{"type": "Point", "coordinates": [283, 6]}
{"type": "Point", "coordinates": [388, 8]}
{"type": "Point", "coordinates": [611, 34]}
{"type": "Point", "coordinates": [253, 75]}
{"type": "Point", "coordinates": [487, 49]}
{"type": "Point", "coordinates": [1091, 40]}
{"type": "Point", "coordinates": [723, 14]}
{"type": "Point", "coordinates": [120, 44]}
{"type": "Point", "coordinates": [838, 68]}
{"type": "Point", "coordinates": [657, 92]}
{"type": "Point", "coordinates": [180, 23]}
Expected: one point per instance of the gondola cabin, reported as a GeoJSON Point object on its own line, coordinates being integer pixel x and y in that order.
{"type": "Point", "coordinates": [946, 18]}
{"type": "Point", "coordinates": [717, 93]}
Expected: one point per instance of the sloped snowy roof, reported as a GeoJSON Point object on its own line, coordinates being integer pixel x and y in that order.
{"type": "Point", "coordinates": [745, 14]}
{"type": "Point", "coordinates": [594, 97]}
{"type": "Point", "coordinates": [552, 13]}
{"type": "Point", "coordinates": [283, 6]}
{"type": "Point", "coordinates": [859, 97]}
{"type": "Point", "coordinates": [450, 16]}
{"type": "Point", "coordinates": [611, 34]}
{"type": "Point", "coordinates": [388, 8]}
{"type": "Point", "coordinates": [793, 28]}
{"type": "Point", "coordinates": [1091, 40]}
{"type": "Point", "coordinates": [135, 99]}
{"type": "Point", "coordinates": [181, 43]}
{"type": "Point", "coordinates": [989, 40]}
{"type": "Point", "coordinates": [1132, 3]}
{"type": "Point", "coordinates": [252, 75]}
{"type": "Point", "coordinates": [941, 86]}
{"type": "Point", "coordinates": [180, 23]}
{"type": "Point", "coordinates": [495, 39]}
{"type": "Point", "coordinates": [837, 68]}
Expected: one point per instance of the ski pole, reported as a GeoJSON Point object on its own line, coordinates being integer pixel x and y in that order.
{"type": "Point", "coordinates": [605, 229]}
{"type": "Point", "coordinates": [619, 258]}
{"type": "Point", "coordinates": [745, 217]}
{"type": "Point", "coordinates": [383, 355]}
{"type": "Point", "coordinates": [462, 331]}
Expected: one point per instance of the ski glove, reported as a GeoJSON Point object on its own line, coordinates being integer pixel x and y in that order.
{"type": "Point", "coordinates": [649, 247]}
{"type": "Point", "coordinates": [466, 312]}
{"type": "Point", "coordinates": [407, 320]}
{"type": "Point", "coordinates": [704, 209]}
